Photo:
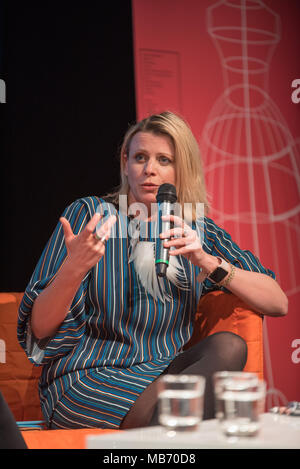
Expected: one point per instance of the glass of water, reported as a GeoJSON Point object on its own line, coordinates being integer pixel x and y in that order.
{"type": "Point", "coordinates": [239, 399]}
{"type": "Point", "coordinates": [180, 400]}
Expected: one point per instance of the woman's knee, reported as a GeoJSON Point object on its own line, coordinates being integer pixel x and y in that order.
{"type": "Point", "coordinates": [231, 347]}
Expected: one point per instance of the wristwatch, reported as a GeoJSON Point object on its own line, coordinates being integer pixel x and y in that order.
{"type": "Point", "coordinates": [219, 274]}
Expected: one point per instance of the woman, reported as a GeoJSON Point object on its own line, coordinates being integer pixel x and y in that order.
{"type": "Point", "coordinates": [91, 315]}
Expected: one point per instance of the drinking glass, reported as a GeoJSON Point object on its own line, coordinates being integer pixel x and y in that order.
{"type": "Point", "coordinates": [180, 399]}
{"type": "Point", "coordinates": [239, 399]}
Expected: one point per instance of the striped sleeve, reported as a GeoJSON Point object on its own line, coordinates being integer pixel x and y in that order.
{"type": "Point", "coordinates": [42, 351]}
{"type": "Point", "coordinates": [218, 242]}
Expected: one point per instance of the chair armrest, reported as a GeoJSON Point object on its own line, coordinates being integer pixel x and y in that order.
{"type": "Point", "coordinates": [220, 311]}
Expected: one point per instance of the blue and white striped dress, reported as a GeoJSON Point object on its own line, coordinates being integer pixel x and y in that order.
{"type": "Point", "coordinates": [116, 338]}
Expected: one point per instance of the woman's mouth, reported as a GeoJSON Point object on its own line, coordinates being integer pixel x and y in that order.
{"type": "Point", "coordinates": [149, 186]}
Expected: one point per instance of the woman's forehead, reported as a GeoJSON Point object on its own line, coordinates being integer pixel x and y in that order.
{"type": "Point", "coordinates": [150, 141]}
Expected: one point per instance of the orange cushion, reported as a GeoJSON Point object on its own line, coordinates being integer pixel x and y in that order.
{"type": "Point", "coordinates": [59, 439]}
{"type": "Point", "coordinates": [219, 311]}
{"type": "Point", "coordinates": [18, 377]}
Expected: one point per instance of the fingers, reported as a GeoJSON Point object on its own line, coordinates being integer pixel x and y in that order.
{"type": "Point", "coordinates": [91, 225]}
{"type": "Point", "coordinates": [183, 239]}
{"type": "Point", "coordinates": [178, 232]}
{"type": "Point", "coordinates": [182, 229]}
{"type": "Point", "coordinates": [68, 233]}
{"type": "Point", "coordinates": [110, 222]}
{"type": "Point", "coordinates": [105, 229]}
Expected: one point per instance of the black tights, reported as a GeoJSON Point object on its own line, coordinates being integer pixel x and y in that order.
{"type": "Point", "coordinates": [217, 352]}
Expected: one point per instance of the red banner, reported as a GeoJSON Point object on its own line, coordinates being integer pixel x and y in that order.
{"type": "Point", "coordinates": [232, 69]}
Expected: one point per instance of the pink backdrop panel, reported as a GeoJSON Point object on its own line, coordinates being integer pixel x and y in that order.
{"type": "Point", "coordinates": [230, 67]}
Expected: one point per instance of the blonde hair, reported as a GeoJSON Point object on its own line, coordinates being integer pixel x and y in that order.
{"type": "Point", "coordinates": [190, 183]}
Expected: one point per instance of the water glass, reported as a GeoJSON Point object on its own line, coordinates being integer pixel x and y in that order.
{"type": "Point", "coordinates": [239, 399]}
{"type": "Point", "coordinates": [180, 400]}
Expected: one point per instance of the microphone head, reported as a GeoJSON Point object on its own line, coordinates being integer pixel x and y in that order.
{"type": "Point", "coordinates": [166, 193]}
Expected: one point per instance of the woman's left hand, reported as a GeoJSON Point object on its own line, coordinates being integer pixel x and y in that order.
{"type": "Point", "coordinates": [187, 242]}
{"type": "Point", "coordinates": [259, 291]}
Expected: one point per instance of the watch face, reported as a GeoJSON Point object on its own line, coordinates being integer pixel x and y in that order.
{"type": "Point", "coordinates": [218, 275]}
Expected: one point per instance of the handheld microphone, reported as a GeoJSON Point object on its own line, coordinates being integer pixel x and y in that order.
{"type": "Point", "coordinates": [166, 197]}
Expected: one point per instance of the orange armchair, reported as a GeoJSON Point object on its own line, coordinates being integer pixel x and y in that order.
{"type": "Point", "coordinates": [217, 311]}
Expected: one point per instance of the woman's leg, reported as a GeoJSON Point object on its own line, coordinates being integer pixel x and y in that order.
{"type": "Point", "coordinates": [220, 351]}
{"type": "Point", "coordinates": [217, 352]}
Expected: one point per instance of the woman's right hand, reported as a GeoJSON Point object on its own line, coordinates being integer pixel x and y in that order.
{"type": "Point", "coordinates": [85, 250]}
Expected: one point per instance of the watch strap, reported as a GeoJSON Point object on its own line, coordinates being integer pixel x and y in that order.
{"type": "Point", "coordinates": [219, 274]}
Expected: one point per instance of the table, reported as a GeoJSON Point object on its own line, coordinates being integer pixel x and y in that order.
{"type": "Point", "coordinates": [277, 432]}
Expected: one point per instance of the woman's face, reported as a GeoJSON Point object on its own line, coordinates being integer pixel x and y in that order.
{"type": "Point", "coordinates": [150, 163]}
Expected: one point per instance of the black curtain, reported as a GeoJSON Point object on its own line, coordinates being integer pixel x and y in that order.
{"type": "Point", "coordinates": [68, 69]}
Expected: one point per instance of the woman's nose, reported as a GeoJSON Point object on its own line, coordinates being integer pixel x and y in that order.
{"type": "Point", "coordinates": [149, 167]}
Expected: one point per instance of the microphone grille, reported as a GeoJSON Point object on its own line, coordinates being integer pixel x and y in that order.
{"type": "Point", "coordinates": [166, 192]}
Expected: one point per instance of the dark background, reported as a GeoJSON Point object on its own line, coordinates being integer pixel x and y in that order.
{"type": "Point", "coordinates": [69, 76]}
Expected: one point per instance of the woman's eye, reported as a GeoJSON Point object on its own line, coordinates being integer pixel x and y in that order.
{"type": "Point", "coordinates": [139, 157]}
{"type": "Point", "coordinates": [165, 160]}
